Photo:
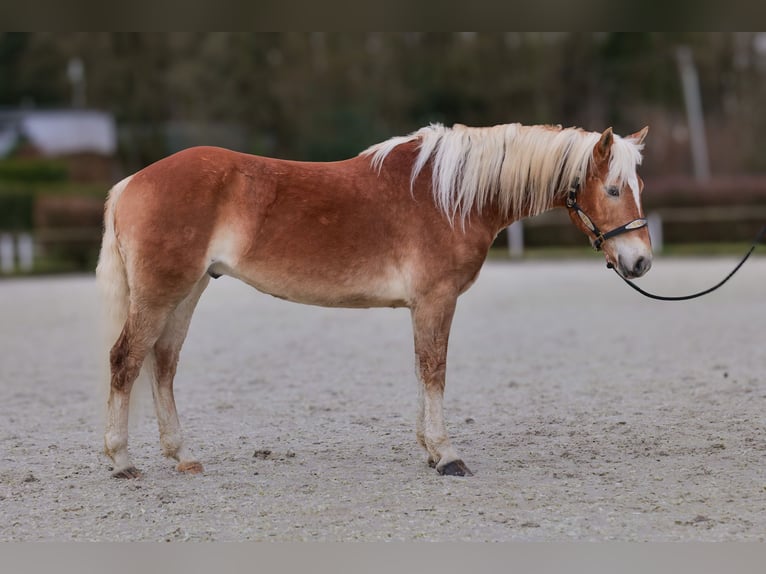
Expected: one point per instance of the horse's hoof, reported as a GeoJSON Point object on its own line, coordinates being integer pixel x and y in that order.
{"type": "Point", "coordinates": [431, 462]}
{"type": "Point", "coordinates": [454, 468]}
{"type": "Point", "coordinates": [129, 472]}
{"type": "Point", "coordinates": [192, 467]}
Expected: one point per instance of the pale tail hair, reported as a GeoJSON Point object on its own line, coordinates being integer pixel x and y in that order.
{"type": "Point", "coordinates": [112, 279]}
{"type": "Point", "coordinates": [523, 168]}
{"type": "Point", "coordinates": [110, 272]}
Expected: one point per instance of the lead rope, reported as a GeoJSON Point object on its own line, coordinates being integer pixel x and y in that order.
{"type": "Point", "coordinates": [756, 241]}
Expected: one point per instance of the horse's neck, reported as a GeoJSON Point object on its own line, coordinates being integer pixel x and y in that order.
{"type": "Point", "coordinates": [399, 164]}
{"type": "Point", "coordinates": [503, 220]}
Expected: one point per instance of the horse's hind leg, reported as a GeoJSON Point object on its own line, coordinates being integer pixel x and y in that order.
{"type": "Point", "coordinates": [138, 335]}
{"type": "Point", "coordinates": [166, 352]}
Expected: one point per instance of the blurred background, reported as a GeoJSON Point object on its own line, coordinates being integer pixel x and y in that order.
{"type": "Point", "coordinates": [79, 111]}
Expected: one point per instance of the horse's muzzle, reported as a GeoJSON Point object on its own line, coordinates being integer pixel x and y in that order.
{"type": "Point", "coordinates": [633, 269]}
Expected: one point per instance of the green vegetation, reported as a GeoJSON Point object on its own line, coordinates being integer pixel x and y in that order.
{"type": "Point", "coordinates": [23, 182]}
{"type": "Point", "coordinates": [328, 95]}
{"type": "Point", "coordinates": [711, 249]}
{"type": "Point", "coordinates": [16, 209]}
{"type": "Point", "coordinates": [32, 170]}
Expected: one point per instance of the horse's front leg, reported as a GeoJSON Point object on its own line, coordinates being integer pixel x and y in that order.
{"type": "Point", "coordinates": [431, 321]}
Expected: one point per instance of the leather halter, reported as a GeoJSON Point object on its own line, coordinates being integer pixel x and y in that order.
{"type": "Point", "coordinates": [599, 237]}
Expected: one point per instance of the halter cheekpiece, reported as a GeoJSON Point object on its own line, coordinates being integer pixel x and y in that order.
{"type": "Point", "coordinates": [599, 236]}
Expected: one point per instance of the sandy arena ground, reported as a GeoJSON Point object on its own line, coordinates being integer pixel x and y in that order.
{"type": "Point", "coordinates": [585, 411]}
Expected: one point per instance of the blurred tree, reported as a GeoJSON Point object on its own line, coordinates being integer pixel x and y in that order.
{"type": "Point", "coordinates": [328, 95]}
{"type": "Point", "coordinates": [32, 70]}
{"type": "Point", "coordinates": [12, 46]}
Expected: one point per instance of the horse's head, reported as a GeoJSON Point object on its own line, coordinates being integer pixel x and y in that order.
{"type": "Point", "coordinates": [607, 205]}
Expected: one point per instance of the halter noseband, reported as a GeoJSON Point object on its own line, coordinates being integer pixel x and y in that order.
{"type": "Point", "coordinates": [600, 237]}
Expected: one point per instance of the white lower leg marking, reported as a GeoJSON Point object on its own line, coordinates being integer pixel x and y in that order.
{"type": "Point", "coordinates": [437, 441]}
{"type": "Point", "coordinates": [116, 435]}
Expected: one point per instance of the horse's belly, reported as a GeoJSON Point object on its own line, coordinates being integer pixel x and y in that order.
{"type": "Point", "coordinates": [375, 288]}
{"type": "Point", "coordinates": [308, 262]}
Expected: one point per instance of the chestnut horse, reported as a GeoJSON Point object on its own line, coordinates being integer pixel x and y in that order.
{"type": "Point", "coordinates": [407, 223]}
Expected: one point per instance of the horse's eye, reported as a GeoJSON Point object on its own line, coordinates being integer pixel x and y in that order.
{"type": "Point", "coordinates": [613, 191]}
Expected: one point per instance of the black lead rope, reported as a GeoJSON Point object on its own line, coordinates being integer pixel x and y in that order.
{"type": "Point", "coordinates": [756, 241]}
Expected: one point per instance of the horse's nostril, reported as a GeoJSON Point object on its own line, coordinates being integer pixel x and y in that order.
{"type": "Point", "coordinates": [640, 266]}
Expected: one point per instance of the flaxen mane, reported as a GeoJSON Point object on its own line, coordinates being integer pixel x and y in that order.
{"type": "Point", "coordinates": [523, 168]}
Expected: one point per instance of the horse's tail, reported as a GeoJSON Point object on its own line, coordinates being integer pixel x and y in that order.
{"type": "Point", "coordinates": [112, 279]}
{"type": "Point", "coordinates": [111, 274]}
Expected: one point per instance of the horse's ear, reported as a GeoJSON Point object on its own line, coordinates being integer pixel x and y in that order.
{"type": "Point", "coordinates": [638, 137]}
{"type": "Point", "coordinates": [603, 149]}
